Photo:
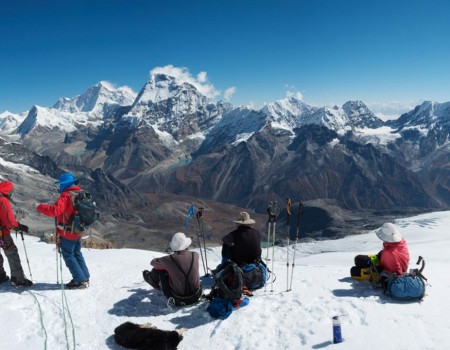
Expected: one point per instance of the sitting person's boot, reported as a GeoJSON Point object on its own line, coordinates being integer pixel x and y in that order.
{"type": "Point", "coordinates": [21, 282]}
{"type": "Point", "coordinates": [4, 278]}
{"type": "Point", "coordinates": [148, 278]}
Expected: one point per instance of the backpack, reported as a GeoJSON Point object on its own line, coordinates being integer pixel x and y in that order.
{"type": "Point", "coordinates": [85, 212]}
{"type": "Point", "coordinates": [229, 281]}
{"type": "Point", "coordinates": [407, 287]}
{"type": "Point", "coordinates": [255, 275]}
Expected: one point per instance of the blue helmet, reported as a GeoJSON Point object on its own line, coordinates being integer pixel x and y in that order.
{"type": "Point", "coordinates": [66, 180]}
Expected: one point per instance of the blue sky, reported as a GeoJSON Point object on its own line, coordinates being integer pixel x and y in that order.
{"type": "Point", "coordinates": [383, 52]}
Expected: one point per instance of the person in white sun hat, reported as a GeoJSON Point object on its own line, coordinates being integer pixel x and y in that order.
{"type": "Point", "coordinates": [395, 253]}
{"type": "Point", "coordinates": [177, 274]}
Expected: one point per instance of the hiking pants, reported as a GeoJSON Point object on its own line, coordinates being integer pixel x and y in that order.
{"type": "Point", "coordinates": [12, 254]}
{"type": "Point", "coordinates": [71, 252]}
{"type": "Point", "coordinates": [161, 278]}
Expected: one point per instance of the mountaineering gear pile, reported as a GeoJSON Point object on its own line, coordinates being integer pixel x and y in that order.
{"type": "Point", "coordinates": [227, 291]}
{"type": "Point", "coordinates": [367, 268]}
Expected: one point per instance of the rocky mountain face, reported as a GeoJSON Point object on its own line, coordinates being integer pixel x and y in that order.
{"type": "Point", "coordinates": [172, 143]}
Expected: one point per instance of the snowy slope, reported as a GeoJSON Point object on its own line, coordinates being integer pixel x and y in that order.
{"type": "Point", "coordinates": [299, 319]}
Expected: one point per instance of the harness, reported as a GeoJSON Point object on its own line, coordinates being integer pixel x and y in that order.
{"type": "Point", "coordinates": [187, 287]}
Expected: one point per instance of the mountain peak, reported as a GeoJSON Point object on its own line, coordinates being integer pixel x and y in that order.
{"type": "Point", "coordinates": [96, 98]}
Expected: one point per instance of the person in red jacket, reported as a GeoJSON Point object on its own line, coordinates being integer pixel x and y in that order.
{"type": "Point", "coordinates": [69, 241]}
{"type": "Point", "coordinates": [395, 254]}
{"type": "Point", "coordinates": [8, 222]}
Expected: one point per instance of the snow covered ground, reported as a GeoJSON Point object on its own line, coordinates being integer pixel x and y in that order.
{"type": "Point", "coordinates": [298, 319]}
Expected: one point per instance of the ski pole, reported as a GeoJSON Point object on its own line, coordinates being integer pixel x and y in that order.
{"type": "Point", "coordinates": [288, 233]}
{"type": "Point", "coordinates": [200, 222]}
{"type": "Point", "coordinates": [299, 214]}
{"type": "Point", "coordinates": [56, 250]}
{"type": "Point", "coordinates": [198, 216]}
{"type": "Point", "coordinates": [26, 254]}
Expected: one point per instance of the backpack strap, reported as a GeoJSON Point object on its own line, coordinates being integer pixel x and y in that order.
{"type": "Point", "coordinates": [187, 288]}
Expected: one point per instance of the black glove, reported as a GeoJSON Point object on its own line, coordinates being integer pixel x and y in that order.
{"type": "Point", "coordinates": [23, 228]}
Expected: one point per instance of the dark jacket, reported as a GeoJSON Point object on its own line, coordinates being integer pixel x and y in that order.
{"type": "Point", "coordinates": [243, 245]}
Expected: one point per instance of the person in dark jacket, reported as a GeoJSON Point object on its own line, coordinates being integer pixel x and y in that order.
{"type": "Point", "coordinates": [8, 222]}
{"type": "Point", "coordinates": [177, 274]}
{"type": "Point", "coordinates": [242, 245]}
{"type": "Point", "coordinates": [68, 240]}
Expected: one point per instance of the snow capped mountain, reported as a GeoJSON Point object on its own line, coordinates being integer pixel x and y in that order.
{"type": "Point", "coordinates": [426, 115]}
{"type": "Point", "coordinates": [98, 98]}
{"type": "Point", "coordinates": [361, 116]}
{"type": "Point", "coordinates": [90, 109]}
{"type": "Point", "coordinates": [288, 113]}
{"type": "Point", "coordinates": [10, 121]}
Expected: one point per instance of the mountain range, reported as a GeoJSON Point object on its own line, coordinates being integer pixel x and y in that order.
{"type": "Point", "coordinates": [170, 141]}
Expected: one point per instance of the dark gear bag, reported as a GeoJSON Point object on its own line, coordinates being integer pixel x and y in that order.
{"type": "Point", "coordinates": [228, 281]}
{"type": "Point", "coordinates": [255, 275]}
{"type": "Point", "coordinates": [85, 214]}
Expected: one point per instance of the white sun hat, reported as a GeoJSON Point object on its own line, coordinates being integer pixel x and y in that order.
{"type": "Point", "coordinates": [180, 242]}
{"type": "Point", "coordinates": [389, 233]}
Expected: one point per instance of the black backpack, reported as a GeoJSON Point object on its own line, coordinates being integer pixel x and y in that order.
{"type": "Point", "coordinates": [85, 212]}
{"type": "Point", "coordinates": [229, 281]}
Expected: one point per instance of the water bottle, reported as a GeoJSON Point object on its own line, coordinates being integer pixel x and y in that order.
{"type": "Point", "coordinates": [337, 334]}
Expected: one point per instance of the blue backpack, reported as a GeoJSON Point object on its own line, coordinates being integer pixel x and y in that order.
{"type": "Point", "coordinates": [255, 275]}
{"type": "Point", "coordinates": [408, 287]}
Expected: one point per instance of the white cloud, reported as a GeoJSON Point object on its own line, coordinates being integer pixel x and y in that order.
{"type": "Point", "coordinates": [229, 92]}
{"type": "Point", "coordinates": [182, 75]}
{"type": "Point", "coordinates": [296, 94]}
{"type": "Point", "coordinates": [392, 109]}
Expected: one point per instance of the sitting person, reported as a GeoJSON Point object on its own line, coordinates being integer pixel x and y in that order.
{"type": "Point", "coordinates": [177, 275]}
{"type": "Point", "coordinates": [395, 254]}
{"type": "Point", "coordinates": [393, 259]}
{"type": "Point", "coordinates": [242, 245]}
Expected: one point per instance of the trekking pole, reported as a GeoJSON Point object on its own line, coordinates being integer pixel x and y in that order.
{"type": "Point", "coordinates": [274, 210]}
{"type": "Point", "coordinates": [56, 250]}
{"type": "Point", "coordinates": [191, 212]}
{"type": "Point", "coordinates": [299, 214]}
{"type": "Point", "coordinates": [26, 254]}
{"type": "Point", "coordinates": [200, 222]}
{"type": "Point", "coordinates": [288, 233]}
{"type": "Point", "coordinates": [269, 224]}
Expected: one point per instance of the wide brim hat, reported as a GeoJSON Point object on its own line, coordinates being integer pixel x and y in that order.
{"type": "Point", "coordinates": [180, 242]}
{"type": "Point", "coordinates": [244, 219]}
{"type": "Point", "coordinates": [389, 233]}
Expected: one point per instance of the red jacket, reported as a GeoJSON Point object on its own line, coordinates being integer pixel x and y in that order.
{"type": "Point", "coordinates": [395, 257]}
{"type": "Point", "coordinates": [62, 210]}
{"type": "Point", "coordinates": [7, 219]}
